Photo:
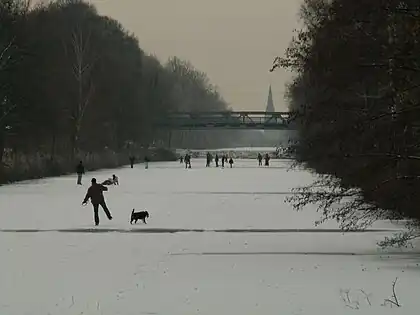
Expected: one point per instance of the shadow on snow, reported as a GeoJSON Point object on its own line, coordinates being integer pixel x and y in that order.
{"type": "Point", "coordinates": [176, 230]}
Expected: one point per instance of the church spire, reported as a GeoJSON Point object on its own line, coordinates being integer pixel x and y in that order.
{"type": "Point", "coordinates": [270, 103]}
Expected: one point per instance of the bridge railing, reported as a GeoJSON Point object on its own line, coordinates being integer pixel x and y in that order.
{"type": "Point", "coordinates": [242, 120]}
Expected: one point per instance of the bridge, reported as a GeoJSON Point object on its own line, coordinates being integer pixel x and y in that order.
{"type": "Point", "coordinates": [227, 120]}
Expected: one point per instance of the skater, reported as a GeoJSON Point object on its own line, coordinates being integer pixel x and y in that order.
{"type": "Point", "coordinates": [80, 170]}
{"type": "Point", "coordinates": [181, 159]}
{"type": "Point", "coordinates": [208, 159]}
{"type": "Point", "coordinates": [187, 160]}
{"type": "Point", "coordinates": [260, 159]}
{"type": "Point", "coordinates": [216, 160]}
{"type": "Point", "coordinates": [223, 161]}
{"type": "Point", "coordinates": [95, 194]}
{"type": "Point", "coordinates": [267, 160]}
{"type": "Point", "coordinates": [146, 162]}
{"type": "Point", "coordinates": [231, 162]}
{"type": "Point", "coordinates": [132, 159]}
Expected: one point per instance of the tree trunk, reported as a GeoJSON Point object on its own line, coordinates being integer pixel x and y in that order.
{"type": "Point", "coordinates": [2, 145]}
{"type": "Point", "coordinates": [74, 145]}
{"type": "Point", "coordinates": [52, 153]}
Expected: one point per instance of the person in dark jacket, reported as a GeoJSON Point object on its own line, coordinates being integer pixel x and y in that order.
{"type": "Point", "coordinates": [208, 159]}
{"type": "Point", "coordinates": [187, 161]}
{"type": "Point", "coordinates": [146, 162]}
{"type": "Point", "coordinates": [96, 196]}
{"type": "Point", "coordinates": [216, 160]}
{"type": "Point", "coordinates": [132, 160]}
{"type": "Point", "coordinates": [260, 159]}
{"type": "Point", "coordinates": [267, 160]}
{"type": "Point", "coordinates": [80, 170]}
{"type": "Point", "coordinates": [231, 162]}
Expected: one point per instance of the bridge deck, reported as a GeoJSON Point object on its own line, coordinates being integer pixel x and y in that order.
{"type": "Point", "coordinates": [227, 120]}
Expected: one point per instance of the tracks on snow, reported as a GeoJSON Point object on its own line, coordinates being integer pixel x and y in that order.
{"type": "Point", "coordinates": [175, 230]}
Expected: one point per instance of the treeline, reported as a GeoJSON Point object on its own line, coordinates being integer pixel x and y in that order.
{"type": "Point", "coordinates": [75, 84]}
{"type": "Point", "coordinates": [356, 93]}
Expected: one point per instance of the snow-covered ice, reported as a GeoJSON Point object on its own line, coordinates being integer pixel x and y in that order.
{"type": "Point", "coordinates": [218, 241]}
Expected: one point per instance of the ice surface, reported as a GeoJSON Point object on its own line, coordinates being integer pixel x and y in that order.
{"type": "Point", "coordinates": [219, 241]}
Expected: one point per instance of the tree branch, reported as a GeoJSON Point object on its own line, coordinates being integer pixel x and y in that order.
{"type": "Point", "coordinates": [7, 112]}
{"type": "Point", "coordinates": [3, 60]}
{"type": "Point", "coordinates": [394, 299]}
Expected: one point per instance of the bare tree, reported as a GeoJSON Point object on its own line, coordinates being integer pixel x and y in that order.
{"type": "Point", "coordinates": [370, 163]}
{"type": "Point", "coordinates": [6, 107]}
{"type": "Point", "coordinates": [82, 66]}
{"type": "Point", "coordinates": [5, 58]}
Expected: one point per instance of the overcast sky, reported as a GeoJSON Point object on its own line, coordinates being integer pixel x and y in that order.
{"type": "Point", "coordinates": [233, 41]}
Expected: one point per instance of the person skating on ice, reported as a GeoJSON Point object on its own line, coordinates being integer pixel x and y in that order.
{"type": "Point", "coordinates": [80, 170]}
{"type": "Point", "coordinates": [96, 196]}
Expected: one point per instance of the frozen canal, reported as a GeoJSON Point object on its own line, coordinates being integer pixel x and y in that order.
{"type": "Point", "coordinates": [217, 242]}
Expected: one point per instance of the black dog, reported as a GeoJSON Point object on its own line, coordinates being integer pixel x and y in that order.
{"type": "Point", "coordinates": [142, 215]}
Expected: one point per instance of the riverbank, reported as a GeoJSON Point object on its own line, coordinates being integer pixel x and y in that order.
{"type": "Point", "coordinates": [19, 167]}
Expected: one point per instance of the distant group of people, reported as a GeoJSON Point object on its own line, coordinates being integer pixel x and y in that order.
{"type": "Point", "coordinates": [133, 160]}
{"type": "Point", "coordinates": [223, 158]}
{"type": "Point", "coordinates": [266, 159]}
